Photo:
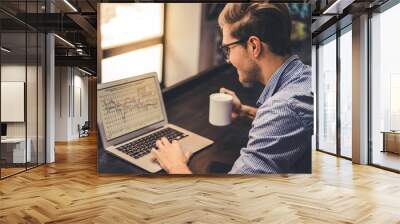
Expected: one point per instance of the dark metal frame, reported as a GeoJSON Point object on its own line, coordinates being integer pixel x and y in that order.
{"type": "Point", "coordinates": [316, 97]}
{"type": "Point", "coordinates": [0, 90]}
{"type": "Point", "coordinates": [369, 114]}
{"type": "Point", "coordinates": [338, 98]}
{"type": "Point", "coordinates": [37, 92]}
{"type": "Point", "coordinates": [26, 88]}
{"type": "Point", "coordinates": [45, 91]}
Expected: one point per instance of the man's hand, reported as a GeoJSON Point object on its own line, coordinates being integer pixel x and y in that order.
{"type": "Point", "coordinates": [239, 109]}
{"type": "Point", "coordinates": [171, 157]}
{"type": "Point", "coordinates": [236, 104]}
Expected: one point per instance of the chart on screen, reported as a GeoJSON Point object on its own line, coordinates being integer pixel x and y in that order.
{"type": "Point", "coordinates": [129, 107]}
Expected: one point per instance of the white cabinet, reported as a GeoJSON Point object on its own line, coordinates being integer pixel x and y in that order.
{"type": "Point", "coordinates": [18, 149]}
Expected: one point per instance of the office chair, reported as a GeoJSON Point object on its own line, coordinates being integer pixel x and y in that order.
{"type": "Point", "coordinates": [84, 130]}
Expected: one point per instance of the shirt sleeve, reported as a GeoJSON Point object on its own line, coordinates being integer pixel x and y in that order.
{"type": "Point", "coordinates": [277, 140]}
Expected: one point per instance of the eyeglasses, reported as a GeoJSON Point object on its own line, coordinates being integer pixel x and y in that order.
{"type": "Point", "coordinates": [226, 49]}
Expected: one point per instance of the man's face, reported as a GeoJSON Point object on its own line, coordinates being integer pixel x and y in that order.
{"type": "Point", "coordinates": [240, 57]}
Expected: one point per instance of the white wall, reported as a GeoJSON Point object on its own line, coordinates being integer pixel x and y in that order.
{"type": "Point", "coordinates": [182, 41]}
{"type": "Point", "coordinates": [68, 82]}
{"type": "Point", "coordinates": [80, 83]}
{"type": "Point", "coordinates": [62, 81]}
{"type": "Point", "coordinates": [13, 72]}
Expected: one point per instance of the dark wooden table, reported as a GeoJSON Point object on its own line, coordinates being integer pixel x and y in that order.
{"type": "Point", "coordinates": [391, 141]}
{"type": "Point", "coordinates": [187, 106]}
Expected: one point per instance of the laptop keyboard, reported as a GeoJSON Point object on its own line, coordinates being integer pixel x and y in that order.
{"type": "Point", "coordinates": [143, 146]}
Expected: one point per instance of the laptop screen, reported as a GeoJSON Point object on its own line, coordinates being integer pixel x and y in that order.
{"type": "Point", "coordinates": [3, 129]}
{"type": "Point", "coordinates": [129, 107]}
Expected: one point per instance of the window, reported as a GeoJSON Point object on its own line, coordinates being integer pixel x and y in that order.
{"type": "Point", "coordinates": [346, 93]}
{"type": "Point", "coordinates": [385, 88]}
{"type": "Point", "coordinates": [136, 62]}
{"type": "Point", "coordinates": [327, 96]}
{"type": "Point", "coordinates": [335, 108]}
{"type": "Point", "coordinates": [132, 39]}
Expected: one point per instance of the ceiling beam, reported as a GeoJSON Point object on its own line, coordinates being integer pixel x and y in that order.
{"type": "Point", "coordinates": [337, 7]}
{"type": "Point", "coordinates": [83, 61]}
{"type": "Point", "coordinates": [49, 22]}
{"type": "Point", "coordinates": [83, 23]}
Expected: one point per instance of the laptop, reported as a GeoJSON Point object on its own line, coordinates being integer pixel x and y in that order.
{"type": "Point", "coordinates": [132, 117]}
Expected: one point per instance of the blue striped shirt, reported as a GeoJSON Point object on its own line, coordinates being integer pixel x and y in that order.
{"type": "Point", "coordinates": [280, 136]}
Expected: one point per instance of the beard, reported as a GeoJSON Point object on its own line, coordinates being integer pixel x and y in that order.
{"type": "Point", "coordinates": [251, 74]}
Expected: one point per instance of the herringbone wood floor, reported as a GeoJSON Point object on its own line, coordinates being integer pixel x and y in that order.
{"type": "Point", "coordinates": [71, 191]}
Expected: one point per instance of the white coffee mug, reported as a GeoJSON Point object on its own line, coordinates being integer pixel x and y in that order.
{"type": "Point", "coordinates": [220, 109]}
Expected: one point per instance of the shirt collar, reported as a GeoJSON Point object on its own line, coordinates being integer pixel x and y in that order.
{"type": "Point", "coordinates": [272, 84]}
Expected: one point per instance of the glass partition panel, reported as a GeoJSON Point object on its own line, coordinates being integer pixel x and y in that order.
{"type": "Point", "coordinates": [14, 153]}
{"type": "Point", "coordinates": [22, 88]}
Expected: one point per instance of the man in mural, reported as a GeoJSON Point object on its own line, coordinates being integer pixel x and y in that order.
{"type": "Point", "coordinates": [256, 41]}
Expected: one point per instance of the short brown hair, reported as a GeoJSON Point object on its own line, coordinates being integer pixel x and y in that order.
{"type": "Point", "coordinates": [269, 22]}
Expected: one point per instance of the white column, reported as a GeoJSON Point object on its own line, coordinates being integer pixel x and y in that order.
{"type": "Point", "coordinates": [360, 90]}
{"type": "Point", "coordinates": [50, 100]}
{"type": "Point", "coordinates": [50, 92]}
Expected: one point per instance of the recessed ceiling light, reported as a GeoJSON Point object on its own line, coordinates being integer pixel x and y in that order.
{"type": "Point", "coordinates": [84, 71]}
{"type": "Point", "coordinates": [71, 6]}
{"type": "Point", "coordinates": [337, 7]}
{"type": "Point", "coordinates": [64, 40]}
{"type": "Point", "coordinates": [5, 50]}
